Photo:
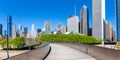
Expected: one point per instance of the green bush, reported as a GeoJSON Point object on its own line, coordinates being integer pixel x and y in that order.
{"type": "Point", "coordinates": [74, 38]}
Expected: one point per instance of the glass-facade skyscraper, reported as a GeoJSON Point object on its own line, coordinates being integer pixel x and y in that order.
{"type": "Point", "coordinates": [9, 22]}
{"type": "Point", "coordinates": [0, 29]}
{"type": "Point", "coordinates": [118, 19]}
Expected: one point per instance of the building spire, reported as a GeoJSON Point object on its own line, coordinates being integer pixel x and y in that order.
{"type": "Point", "coordinates": [75, 8]}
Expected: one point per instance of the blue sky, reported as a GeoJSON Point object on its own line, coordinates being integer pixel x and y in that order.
{"type": "Point", "coordinates": [27, 12]}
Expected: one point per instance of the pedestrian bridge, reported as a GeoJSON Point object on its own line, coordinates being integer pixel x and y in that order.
{"type": "Point", "coordinates": [60, 52]}
{"type": "Point", "coordinates": [69, 51]}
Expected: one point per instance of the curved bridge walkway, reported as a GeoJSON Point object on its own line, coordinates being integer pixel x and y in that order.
{"type": "Point", "coordinates": [60, 52]}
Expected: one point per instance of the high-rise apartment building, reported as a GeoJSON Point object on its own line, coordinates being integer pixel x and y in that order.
{"type": "Point", "coordinates": [73, 24]}
{"type": "Point", "coordinates": [118, 18]}
{"type": "Point", "coordinates": [98, 17]}
{"type": "Point", "coordinates": [84, 23]}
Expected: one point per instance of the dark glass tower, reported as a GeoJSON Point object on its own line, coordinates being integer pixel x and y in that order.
{"type": "Point", "coordinates": [38, 30]}
{"type": "Point", "coordinates": [0, 29]}
{"type": "Point", "coordinates": [25, 31]}
{"type": "Point", "coordinates": [9, 22]}
{"type": "Point", "coordinates": [118, 19]}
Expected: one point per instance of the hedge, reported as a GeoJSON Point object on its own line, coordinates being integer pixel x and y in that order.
{"type": "Point", "coordinates": [74, 38]}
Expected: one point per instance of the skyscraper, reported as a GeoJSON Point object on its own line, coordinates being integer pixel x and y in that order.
{"type": "Point", "coordinates": [39, 32]}
{"type": "Point", "coordinates": [114, 36]}
{"type": "Point", "coordinates": [84, 23]}
{"type": "Point", "coordinates": [9, 22]}
{"type": "Point", "coordinates": [32, 33]}
{"type": "Point", "coordinates": [108, 31]}
{"type": "Point", "coordinates": [98, 16]}
{"type": "Point", "coordinates": [1, 29]}
{"type": "Point", "coordinates": [25, 31]}
{"type": "Point", "coordinates": [47, 26]}
{"type": "Point", "coordinates": [5, 32]}
{"type": "Point", "coordinates": [20, 30]}
{"type": "Point", "coordinates": [118, 19]}
{"type": "Point", "coordinates": [72, 24]}
{"type": "Point", "coordinates": [14, 31]}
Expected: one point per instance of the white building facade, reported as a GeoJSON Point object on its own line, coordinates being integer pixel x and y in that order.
{"type": "Point", "coordinates": [73, 24]}
{"type": "Point", "coordinates": [98, 16]}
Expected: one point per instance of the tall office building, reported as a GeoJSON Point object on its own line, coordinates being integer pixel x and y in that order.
{"type": "Point", "coordinates": [98, 17]}
{"type": "Point", "coordinates": [1, 29]}
{"type": "Point", "coordinates": [73, 24]}
{"type": "Point", "coordinates": [39, 32]}
{"type": "Point", "coordinates": [118, 19]}
{"type": "Point", "coordinates": [5, 32]}
{"type": "Point", "coordinates": [114, 36]}
{"type": "Point", "coordinates": [20, 30]}
{"type": "Point", "coordinates": [25, 31]}
{"type": "Point", "coordinates": [9, 22]}
{"type": "Point", "coordinates": [32, 33]}
{"type": "Point", "coordinates": [108, 31]}
{"type": "Point", "coordinates": [47, 26]}
{"type": "Point", "coordinates": [84, 23]}
{"type": "Point", "coordinates": [14, 31]}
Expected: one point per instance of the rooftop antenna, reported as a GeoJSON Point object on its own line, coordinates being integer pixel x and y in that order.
{"type": "Point", "coordinates": [75, 8]}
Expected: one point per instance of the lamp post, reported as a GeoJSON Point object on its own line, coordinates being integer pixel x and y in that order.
{"type": "Point", "coordinates": [7, 39]}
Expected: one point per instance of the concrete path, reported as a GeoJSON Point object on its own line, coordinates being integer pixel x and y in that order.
{"type": "Point", "coordinates": [60, 52]}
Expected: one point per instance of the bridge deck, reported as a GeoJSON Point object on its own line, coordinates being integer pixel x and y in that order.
{"type": "Point", "coordinates": [60, 52]}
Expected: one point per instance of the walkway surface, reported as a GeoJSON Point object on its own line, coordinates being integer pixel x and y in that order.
{"type": "Point", "coordinates": [60, 52]}
{"type": "Point", "coordinates": [3, 53]}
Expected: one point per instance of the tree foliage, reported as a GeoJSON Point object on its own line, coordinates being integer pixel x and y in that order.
{"type": "Point", "coordinates": [15, 43]}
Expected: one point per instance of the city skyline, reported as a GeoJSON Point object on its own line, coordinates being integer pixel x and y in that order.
{"type": "Point", "coordinates": [37, 13]}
